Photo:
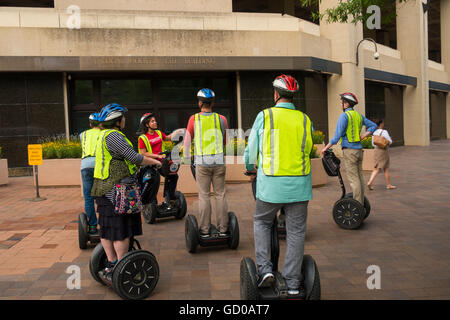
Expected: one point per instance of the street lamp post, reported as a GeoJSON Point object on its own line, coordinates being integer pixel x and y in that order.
{"type": "Point", "coordinates": [376, 55]}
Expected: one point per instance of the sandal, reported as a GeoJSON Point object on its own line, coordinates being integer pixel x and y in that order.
{"type": "Point", "coordinates": [391, 187]}
{"type": "Point", "coordinates": [370, 186]}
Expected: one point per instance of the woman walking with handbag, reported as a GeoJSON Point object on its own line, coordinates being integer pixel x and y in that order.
{"type": "Point", "coordinates": [115, 164]}
{"type": "Point", "coordinates": [381, 138]}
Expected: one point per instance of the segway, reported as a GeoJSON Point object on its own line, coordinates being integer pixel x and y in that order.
{"type": "Point", "coordinates": [348, 213]}
{"type": "Point", "coordinates": [279, 289]}
{"type": "Point", "coordinates": [281, 217]}
{"type": "Point", "coordinates": [192, 233]}
{"type": "Point", "coordinates": [134, 276]}
{"type": "Point", "coordinates": [150, 182]}
{"type": "Point", "coordinates": [84, 237]}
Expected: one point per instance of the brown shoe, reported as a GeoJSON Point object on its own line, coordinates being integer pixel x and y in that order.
{"type": "Point", "coordinates": [370, 186]}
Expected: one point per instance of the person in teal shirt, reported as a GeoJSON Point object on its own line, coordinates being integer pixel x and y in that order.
{"type": "Point", "coordinates": [290, 191]}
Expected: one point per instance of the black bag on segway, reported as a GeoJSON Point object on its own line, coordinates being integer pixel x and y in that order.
{"type": "Point", "coordinates": [331, 163]}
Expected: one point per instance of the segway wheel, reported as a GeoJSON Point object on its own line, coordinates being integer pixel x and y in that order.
{"type": "Point", "coordinates": [97, 262]}
{"type": "Point", "coordinates": [348, 213]}
{"type": "Point", "coordinates": [191, 233]}
{"type": "Point", "coordinates": [82, 231]}
{"type": "Point", "coordinates": [312, 278]}
{"type": "Point", "coordinates": [233, 242]}
{"type": "Point", "coordinates": [182, 205]}
{"type": "Point", "coordinates": [249, 286]}
{"type": "Point", "coordinates": [366, 203]}
{"type": "Point", "coordinates": [149, 213]}
{"type": "Point", "coordinates": [136, 275]}
{"type": "Point", "coordinates": [254, 188]}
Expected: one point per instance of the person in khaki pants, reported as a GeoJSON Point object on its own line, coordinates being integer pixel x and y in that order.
{"type": "Point", "coordinates": [208, 130]}
{"type": "Point", "coordinates": [348, 130]}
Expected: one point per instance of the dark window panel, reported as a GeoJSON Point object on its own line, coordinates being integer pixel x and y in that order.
{"type": "Point", "coordinates": [46, 119]}
{"type": "Point", "coordinates": [83, 92]}
{"type": "Point", "coordinates": [28, 3]}
{"type": "Point", "coordinates": [180, 90]}
{"type": "Point", "coordinates": [12, 88]}
{"type": "Point", "coordinates": [44, 88]}
{"type": "Point", "coordinates": [13, 120]}
{"type": "Point", "coordinates": [126, 92]}
{"type": "Point", "coordinates": [15, 150]}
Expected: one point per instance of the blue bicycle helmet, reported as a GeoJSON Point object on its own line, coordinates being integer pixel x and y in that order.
{"type": "Point", "coordinates": [110, 112]}
{"type": "Point", "coordinates": [206, 95]}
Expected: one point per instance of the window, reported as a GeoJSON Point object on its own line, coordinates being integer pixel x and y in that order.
{"type": "Point", "coordinates": [84, 92]}
{"type": "Point", "coordinates": [180, 89]}
{"type": "Point", "coordinates": [387, 34]}
{"type": "Point", "coordinates": [126, 91]}
{"type": "Point", "coordinates": [434, 31]}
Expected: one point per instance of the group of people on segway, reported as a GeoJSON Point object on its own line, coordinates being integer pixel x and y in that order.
{"type": "Point", "coordinates": [278, 154]}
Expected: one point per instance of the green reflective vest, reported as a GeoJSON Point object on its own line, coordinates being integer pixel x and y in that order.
{"type": "Point", "coordinates": [354, 125]}
{"type": "Point", "coordinates": [103, 156]}
{"type": "Point", "coordinates": [287, 142]}
{"type": "Point", "coordinates": [88, 142]}
{"type": "Point", "coordinates": [208, 137]}
{"type": "Point", "coordinates": [148, 146]}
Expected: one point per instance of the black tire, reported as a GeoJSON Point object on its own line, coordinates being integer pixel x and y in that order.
{"type": "Point", "coordinates": [366, 204]}
{"type": "Point", "coordinates": [149, 213]}
{"type": "Point", "coordinates": [191, 233]}
{"type": "Point", "coordinates": [97, 262]}
{"type": "Point", "coordinates": [136, 275]}
{"type": "Point", "coordinates": [233, 228]}
{"type": "Point", "coordinates": [311, 277]}
{"type": "Point", "coordinates": [82, 231]}
{"type": "Point", "coordinates": [182, 205]}
{"type": "Point", "coordinates": [348, 213]}
{"type": "Point", "coordinates": [274, 246]}
{"type": "Point", "coordinates": [249, 286]}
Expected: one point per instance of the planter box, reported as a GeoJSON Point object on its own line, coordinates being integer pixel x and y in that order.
{"type": "Point", "coordinates": [59, 172]}
{"type": "Point", "coordinates": [369, 159]}
{"type": "Point", "coordinates": [318, 175]}
{"type": "Point", "coordinates": [3, 171]}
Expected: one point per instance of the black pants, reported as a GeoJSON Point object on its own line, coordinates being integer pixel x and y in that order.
{"type": "Point", "coordinates": [170, 185]}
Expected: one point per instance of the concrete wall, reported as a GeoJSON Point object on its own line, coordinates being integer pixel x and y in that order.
{"type": "Point", "coordinates": [151, 5]}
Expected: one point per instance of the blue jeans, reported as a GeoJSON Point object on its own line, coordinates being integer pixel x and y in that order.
{"type": "Point", "coordinates": [87, 177]}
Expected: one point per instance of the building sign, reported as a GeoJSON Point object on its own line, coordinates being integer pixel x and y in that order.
{"type": "Point", "coordinates": [35, 154]}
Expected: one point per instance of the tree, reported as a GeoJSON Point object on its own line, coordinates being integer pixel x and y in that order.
{"type": "Point", "coordinates": [352, 11]}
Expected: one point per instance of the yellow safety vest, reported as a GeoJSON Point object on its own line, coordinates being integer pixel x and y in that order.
{"type": "Point", "coordinates": [208, 138]}
{"type": "Point", "coordinates": [148, 146]}
{"type": "Point", "coordinates": [88, 142]}
{"type": "Point", "coordinates": [103, 156]}
{"type": "Point", "coordinates": [287, 142]}
{"type": "Point", "coordinates": [354, 125]}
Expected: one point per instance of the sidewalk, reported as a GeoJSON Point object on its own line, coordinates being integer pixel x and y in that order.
{"type": "Point", "coordinates": [407, 236]}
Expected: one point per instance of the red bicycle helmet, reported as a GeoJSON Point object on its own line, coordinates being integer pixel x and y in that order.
{"type": "Point", "coordinates": [286, 85]}
{"type": "Point", "coordinates": [349, 97]}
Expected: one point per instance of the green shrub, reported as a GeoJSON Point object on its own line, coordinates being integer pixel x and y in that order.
{"type": "Point", "coordinates": [318, 137]}
{"type": "Point", "coordinates": [236, 146]}
{"type": "Point", "coordinates": [314, 154]}
{"type": "Point", "coordinates": [58, 147]}
{"type": "Point", "coordinates": [367, 142]}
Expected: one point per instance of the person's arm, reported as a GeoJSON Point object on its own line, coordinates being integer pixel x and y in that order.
{"type": "Point", "coordinates": [341, 128]}
{"type": "Point", "coordinates": [119, 147]}
{"type": "Point", "coordinates": [252, 149]}
{"type": "Point", "coordinates": [224, 130]}
{"type": "Point", "coordinates": [188, 139]}
{"type": "Point", "coordinates": [371, 127]}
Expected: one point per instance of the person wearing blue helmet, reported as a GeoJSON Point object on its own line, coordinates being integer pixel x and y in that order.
{"type": "Point", "coordinates": [115, 160]}
{"type": "Point", "coordinates": [208, 130]}
{"type": "Point", "coordinates": [88, 141]}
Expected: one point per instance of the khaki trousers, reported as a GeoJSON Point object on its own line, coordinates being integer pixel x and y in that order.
{"type": "Point", "coordinates": [205, 176]}
{"type": "Point", "coordinates": [353, 165]}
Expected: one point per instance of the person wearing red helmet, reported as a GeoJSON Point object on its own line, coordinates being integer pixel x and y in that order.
{"type": "Point", "coordinates": [151, 143]}
{"type": "Point", "coordinates": [348, 130]}
{"type": "Point", "coordinates": [279, 145]}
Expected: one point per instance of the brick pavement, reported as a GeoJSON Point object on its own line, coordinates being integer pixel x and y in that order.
{"type": "Point", "coordinates": [406, 235]}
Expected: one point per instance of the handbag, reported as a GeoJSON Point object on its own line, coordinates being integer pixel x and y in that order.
{"type": "Point", "coordinates": [380, 141]}
{"type": "Point", "coordinates": [127, 196]}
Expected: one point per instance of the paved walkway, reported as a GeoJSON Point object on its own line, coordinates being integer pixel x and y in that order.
{"type": "Point", "coordinates": [407, 236]}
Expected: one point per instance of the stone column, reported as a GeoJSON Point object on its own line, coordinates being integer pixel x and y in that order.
{"type": "Point", "coordinates": [445, 52]}
{"type": "Point", "coordinates": [344, 39]}
{"type": "Point", "coordinates": [412, 42]}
